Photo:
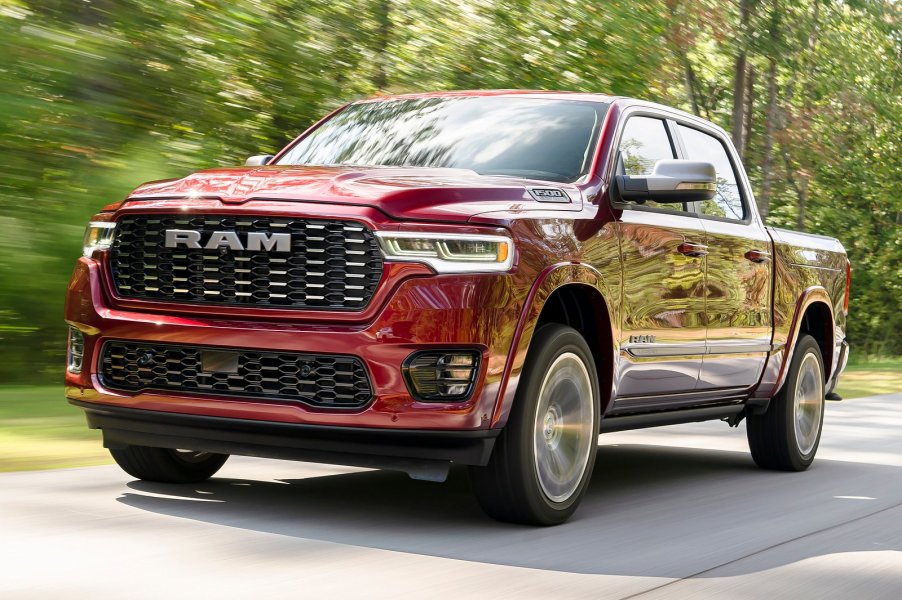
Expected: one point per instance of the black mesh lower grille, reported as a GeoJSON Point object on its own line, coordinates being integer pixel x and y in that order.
{"type": "Point", "coordinates": [321, 380]}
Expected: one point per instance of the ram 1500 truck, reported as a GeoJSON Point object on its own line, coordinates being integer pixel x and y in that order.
{"type": "Point", "coordinates": [487, 279]}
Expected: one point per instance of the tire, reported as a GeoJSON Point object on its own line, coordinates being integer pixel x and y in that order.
{"type": "Point", "coordinates": [168, 466]}
{"type": "Point", "coordinates": [787, 435]}
{"type": "Point", "coordinates": [538, 474]}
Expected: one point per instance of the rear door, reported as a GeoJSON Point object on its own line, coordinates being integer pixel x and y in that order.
{"type": "Point", "coordinates": [739, 267]}
{"type": "Point", "coordinates": [663, 328]}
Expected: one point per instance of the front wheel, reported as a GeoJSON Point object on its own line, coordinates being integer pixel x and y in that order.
{"type": "Point", "coordinates": [168, 466]}
{"type": "Point", "coordinates": [786, 437]}
{"type": "Point", "coordinates": [542, 462]}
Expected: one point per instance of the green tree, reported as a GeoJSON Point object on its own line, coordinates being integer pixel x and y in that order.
{"type": "Point", "coordinates": [99, 96]}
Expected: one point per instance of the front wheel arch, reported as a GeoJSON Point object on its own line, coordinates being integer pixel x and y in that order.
{"type": "Point", "coordinates": [571, 295]}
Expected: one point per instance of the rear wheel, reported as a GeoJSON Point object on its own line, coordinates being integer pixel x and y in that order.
{"type": "Point", "coordinates": [543, 459]}
{"type": "Point", "coordinates": [168, 466]}
{"type": "Point", "coordinates": [786, 437]}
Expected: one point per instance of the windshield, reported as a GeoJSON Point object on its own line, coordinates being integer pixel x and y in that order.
{"type": "Point", "coordinates": [512, 136]}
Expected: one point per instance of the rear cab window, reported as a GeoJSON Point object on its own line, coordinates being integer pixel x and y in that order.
{"type": "Point", "coordinates": [727, 202]}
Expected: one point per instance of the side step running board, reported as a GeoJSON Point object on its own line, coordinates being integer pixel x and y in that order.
{"type": "Point", "coordinates": [671, 417]}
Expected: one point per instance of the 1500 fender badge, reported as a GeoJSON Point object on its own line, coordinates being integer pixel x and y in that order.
{"type": "Point", "coordinates": [549, 195]}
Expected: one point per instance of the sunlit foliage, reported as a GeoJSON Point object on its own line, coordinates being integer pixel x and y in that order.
{"type": "Point", "coordinates": [97, 96]}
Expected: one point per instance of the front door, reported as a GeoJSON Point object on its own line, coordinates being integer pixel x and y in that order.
{"type": "Point", "coordinates": [663, 264]}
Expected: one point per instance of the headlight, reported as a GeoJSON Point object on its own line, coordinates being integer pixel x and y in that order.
{"type": "Point", "coordinates": [449, 252]}
{"type": "Point", "coordinates": [98, 236]}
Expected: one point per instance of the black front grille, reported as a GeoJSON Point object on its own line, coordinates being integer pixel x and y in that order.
{"type": "Point", "coordinates": [331, 265]}
{"type": "Point", "coordinates": [322, 380]}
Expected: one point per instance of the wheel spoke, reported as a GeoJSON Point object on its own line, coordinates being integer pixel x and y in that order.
{"type": "Point", "coordinates": [563, 427]}
{"type": "Point", "coordinates": [808, 403]}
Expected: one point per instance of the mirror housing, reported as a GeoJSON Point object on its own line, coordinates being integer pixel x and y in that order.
{"type": "Point", "coordinates": [673, 180]}
{"type": "Point", "coordinates": [259, 160]}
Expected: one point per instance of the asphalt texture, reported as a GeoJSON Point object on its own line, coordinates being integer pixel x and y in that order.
{"type": "Point", "coordinates": [673, 512]}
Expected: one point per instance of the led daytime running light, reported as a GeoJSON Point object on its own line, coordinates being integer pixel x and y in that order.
{"type": "Point", "coordinates": [449, 253]}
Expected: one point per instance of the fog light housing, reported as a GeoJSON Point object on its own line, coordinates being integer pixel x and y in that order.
{"type": "Point", "coordinates": [75, 353]}
{"type": "Point", "coordinates": [441, 375]}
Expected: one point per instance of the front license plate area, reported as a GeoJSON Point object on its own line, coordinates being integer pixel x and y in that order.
{"type": "Point", "coordinates": [218, 361]}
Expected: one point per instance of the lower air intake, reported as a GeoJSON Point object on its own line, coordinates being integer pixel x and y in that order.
{"type": "Point", "coordinates": [320, 380]}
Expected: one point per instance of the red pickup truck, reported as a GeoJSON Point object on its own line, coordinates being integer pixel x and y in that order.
{"type": "Point", "coordinates": [487, 279]}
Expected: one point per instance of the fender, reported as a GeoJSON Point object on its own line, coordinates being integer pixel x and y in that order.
{"type": "Point", "coordinates": [778, 365]}
{"type": "Point", "coordinates": [549, 280]}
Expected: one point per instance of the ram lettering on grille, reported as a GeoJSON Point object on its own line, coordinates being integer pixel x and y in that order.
{"type": "Point", "coordinates": [256, 240]}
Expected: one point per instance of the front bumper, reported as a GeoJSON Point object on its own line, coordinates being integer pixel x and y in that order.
{"type": "Point", "coordinates": [422, 454]}
{"type": "Point", "coordinates": [421, 313]}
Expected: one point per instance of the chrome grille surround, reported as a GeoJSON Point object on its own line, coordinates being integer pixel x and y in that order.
{"type": "Point", "coordinates": [332, 264]}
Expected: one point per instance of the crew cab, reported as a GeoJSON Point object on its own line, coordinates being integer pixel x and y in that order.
{"type": "Point", "coordinates": [487, 279]}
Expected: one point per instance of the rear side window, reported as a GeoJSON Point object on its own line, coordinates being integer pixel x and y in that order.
{"type": "Point", "coordinates": [727, 201]}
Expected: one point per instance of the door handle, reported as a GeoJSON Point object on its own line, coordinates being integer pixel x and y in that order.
{"type": "Point", "coordinates": [690, 249]}
{"type": "Point", "coordinates": [758, 256]}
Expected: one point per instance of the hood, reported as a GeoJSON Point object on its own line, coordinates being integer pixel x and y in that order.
{"type": "Point", "coordinates": [402, 193]}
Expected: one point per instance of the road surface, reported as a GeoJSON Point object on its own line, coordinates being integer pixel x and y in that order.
{"type": "Point", "coordinates": [675, 512]}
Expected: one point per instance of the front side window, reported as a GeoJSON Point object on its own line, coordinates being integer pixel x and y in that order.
{"type": "Point", "coordinates": [727, 201]}
{"type": "Point", "coordinates": [643, 143]}
{"type": "Point", "coordinates": [535, 138]}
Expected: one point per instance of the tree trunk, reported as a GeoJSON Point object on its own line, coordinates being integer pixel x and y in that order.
{"type": "Point", "coordinates": [749, 110]}
{"type": "Point", "coordinates": [800, 186]}
{"type": "Point", "coordinates": [738, 117]}
{"type": "Point", "coordinates": [740, 76]}
{"type": "Point", "coordinates": [383, 33]}
{"type": "Point", "coordinates": [679, 40]}
{"type": "Point", "coordinates": [803, 203]}
{"type": "Point", "coordinates": [770, 125]}
{"type": "Point", "coordinates": [808, 59]}
{"type": "Point", "coordinates": [691, 82]}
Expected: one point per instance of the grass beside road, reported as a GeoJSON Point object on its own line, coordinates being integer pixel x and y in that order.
{"type": "Point", "coordinates": [876, 376]}
{"type": "Point", "coordinates": [40, 430]}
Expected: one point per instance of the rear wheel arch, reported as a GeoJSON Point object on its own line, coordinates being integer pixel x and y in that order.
{"type": "Point", "coordinates": [812, 316]}
{"type": "Point", "coordinates": [817, 321]}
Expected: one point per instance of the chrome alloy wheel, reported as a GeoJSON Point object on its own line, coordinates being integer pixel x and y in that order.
{"type": "Point", "coordinates": [808, 403]}
{"type": "Point", "coordinates": [564, 427]}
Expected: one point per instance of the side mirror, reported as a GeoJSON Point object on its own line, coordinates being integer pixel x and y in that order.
{"type": "Point", "coordinates": [671, 181]}
{"type": "Point", "coordinates": [258, 161]}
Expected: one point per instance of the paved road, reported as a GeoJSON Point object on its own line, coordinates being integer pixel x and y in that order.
{"type": "Point", "coordinates": [676, 512]}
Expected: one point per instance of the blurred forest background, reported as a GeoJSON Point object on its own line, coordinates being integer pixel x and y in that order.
{"type": "Point", "coordinates": [97, 96]}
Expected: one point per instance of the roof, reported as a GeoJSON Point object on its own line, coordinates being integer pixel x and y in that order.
{"type": "Point", "coordinates": [544, 94]}
{"type": "Point", "coordinates": [623, 101]}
